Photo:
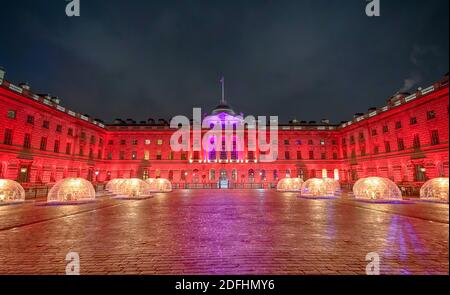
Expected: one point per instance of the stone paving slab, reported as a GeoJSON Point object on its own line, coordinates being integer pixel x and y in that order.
{"type": "Point", "coordinates": [225, 232]}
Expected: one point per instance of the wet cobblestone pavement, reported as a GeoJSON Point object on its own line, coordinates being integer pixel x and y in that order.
{"type": "Point", "coordinates": [225, 232]}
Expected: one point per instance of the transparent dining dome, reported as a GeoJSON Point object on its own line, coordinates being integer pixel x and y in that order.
{"type": "Point", "coordinates": [435, 190]}
{"type": "Point", "coordinates": [133, 187]}
{"type": "Point", "coordinates": [289, 185]}
{"type": "Point", "coordinates": [11, 192]}
{"type": "Point", "coordinates": [71, 190]}
{"type": "Point", "coordinates": [320, 187]}
{"type": "Point", "coordinates": [376, 188]}
{"type": "Point", "coordinates": [161, 185]}
{"type": "Point", "coordinates": [114, 184]}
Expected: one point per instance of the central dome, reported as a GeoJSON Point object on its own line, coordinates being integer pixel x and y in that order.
{"type": "Point", "coordinates": [223, 108]}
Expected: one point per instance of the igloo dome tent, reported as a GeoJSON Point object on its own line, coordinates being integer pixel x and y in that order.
{"type": "Point", "coordinates": [376, 188]}
{"type": "Point", "coordinates": [161, 185]}
{"type": "Point", "coordinates": [133, 187]}
{"type": "Point", "coordinates": [11, 192]}
{"type": "Point", "coordinates": [113, 185]}
{"type": "Point", "coordinates": [320, 187]}
{"type": "Point", "coordinates": [71, 190]}
{"type": "Point", "coordinates": [435, 190]}
{"type": "Point", "coordinates": [289, 185]}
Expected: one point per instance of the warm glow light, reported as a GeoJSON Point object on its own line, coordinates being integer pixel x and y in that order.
{"type": "Point", "coordinates": [162, 185]}
{"type": "Point", "coordinates": [376, 188]}
{"type": "Point", "coordinates": [11, 192]}
{"type": "Point", "coordinates": [134, 187]}
{"type": "Point", "coordinates": [70, 190]}
{"type": "Point", "coordinates": [435, 190]}
{"type": "Point", "coordinates": [317, 187]}
{"type": "Point", "coordinates": [289, 185]}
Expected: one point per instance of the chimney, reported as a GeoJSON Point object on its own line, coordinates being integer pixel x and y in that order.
{"type": "Point", "coordinates": [2, 75]}
{"type": "Point", "coordinates": [25, 86]}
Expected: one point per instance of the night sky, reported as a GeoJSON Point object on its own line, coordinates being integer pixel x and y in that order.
{"type": "Point", "coordinates": [157, 59]}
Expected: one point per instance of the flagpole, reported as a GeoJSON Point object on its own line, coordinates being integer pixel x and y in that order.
{"type": "Point", "coordinates": [223, 89]}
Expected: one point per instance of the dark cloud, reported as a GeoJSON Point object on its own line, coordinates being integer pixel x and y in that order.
{"type": "Point", "coordinates": [303, 59]}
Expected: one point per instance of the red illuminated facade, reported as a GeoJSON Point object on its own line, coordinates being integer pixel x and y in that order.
{"type": "Point", "coordinates": [42, 142]}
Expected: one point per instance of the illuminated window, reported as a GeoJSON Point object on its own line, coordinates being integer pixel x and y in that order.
{"type": "Point", "coordinates": [336, 174]}
{"type": "Point", "coordinates": [133, 155]}
{"type": "Point", "coordinates": [148, 142]}
{"type": "Point", "coordinates": [134, 142]}
{"type": "Point", "coordinates": [212, 174]}
{"type": "Point", "coordinates": [146, 155]}
{"type": "Point", "coordinates": [159, 142]}
{"type": "Point", "coordinates": [322, 142]}
{"type": "Point", "coordinates": [324, 173]}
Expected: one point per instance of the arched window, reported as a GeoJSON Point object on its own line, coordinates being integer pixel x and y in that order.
{"type": "Point", "coordinates": [300, 174]}
{"type": "Point", "coordinates": [234, 175]}
{"type": "Point", "coordinates": [251, 175]}
{"type": "Point", "coordinates": [336, 174]}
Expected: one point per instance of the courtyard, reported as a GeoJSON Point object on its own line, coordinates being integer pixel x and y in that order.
{"type": "Point", "coordinates": [225, 232]}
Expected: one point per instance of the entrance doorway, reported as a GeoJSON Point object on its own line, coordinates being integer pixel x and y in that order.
{"type": "Point", "coordinates": [223, 180]}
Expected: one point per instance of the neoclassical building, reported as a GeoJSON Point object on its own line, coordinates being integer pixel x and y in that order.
{"type": "Point", "coordinates": [41, 142]}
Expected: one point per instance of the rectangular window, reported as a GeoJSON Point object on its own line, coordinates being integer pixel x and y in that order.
{"type": "Point", "coordinates": [43, 145]}
{"type": "Point", "coordinates": [431, 115]}
{"type": "Point", "coordinates": [92, 139]}
{"type": "Point", "coordinates": [385, 129]}
{"type": "Point", "coordinates": [374, 132]}
{"type": "Point", "coordinates": [146, 155]}
{"type": "Point", "coordinates": [11, 114]}
{"type": "Point", "coordinates": [323, 156]}
{"type": "Point", "coordinates": [184, 156]}
{"type": "Point", "coordinates": [311, 155]}
{"type": "Point", "coordinates": [122, 155]}
{"type": "Point", "coordinates": [398, 125]}
{"type": "Point", "coordinates": [99, 154]}
{"type": "Point", "coordinates": [344, 154]}
{"type": "Point", "coordinates": [416, 141]}
{"type": "Point", "coordinates": [133, 155]}
{"type": "Point", "coordinates": [68, 148]}
{"type": "Point", "coordinates": [322, 141]}
{"type": "Point", "coordinates": [335, 156]}
{"type": "Point", "coordinates": [434, 137]}
{"type": "Point", "coordinates": [159, 142]}
{"type": "Point", "coordinates": [352, 139]}
{"type": "Point", "coordinates": [46, 124]}
{"type": "Point", "coordinates": [110, 142]}
{"type": "Point", "coordinates": [148, 142]}
{"type": "Point", "coordinates": [363, 151]}
{"type": "Point", "coordinates": [344, 141]}
{"type": "Point", "coordinates": [56, 146]}
{"type": "Point", "coordinates": [27, 141]}
{"type": "Point", "coordinates": [134, 142]}
{"type": "Point", "coordinates": [413, 121]}
{"type": "Point", "coordinates": [401, 144]}
{"type": "Point", "coordinates": [286, 142]}
{"type": "Point", "coordinates": [81, 151]}
{"type": "Point", "coordinates": [109, 156]}
{"type": "Point", "coordinates": [70, 132]}
{"type": "Point", "coordinates": [298, 142]}
{"type": "Point", "coordinates": [287, 155]}
{"type": "Point", "coordinates": [59, 128]}
{"type": "Point", "coordinates": [387, 147]}
{"type": "Point", "coordinates": [158, 155]}
{"type": "Point", "coordinates": [334, 142]}
{"type": "Point", "coordinates": [299, 155]}
{"type": "Point", "coordinates": [30, 120]}
{"type": "Point", "coordinates": [123, 142]}
{"type": "Point", "coordinates": [8, 137]}
{"type": "Point", "coordinates": [376, 150]}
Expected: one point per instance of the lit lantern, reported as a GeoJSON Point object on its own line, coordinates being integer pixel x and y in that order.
{"type": "Point", "coordinates": [160, 185]}
{"type": "Point", "coordinates": [435, 190]}
{"type": "Point", "coordinates": [71, 190]}
{"type": "Point", "coordinates": [376, 188]}
{"type": "Point", "coordinates": [11, 192]}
